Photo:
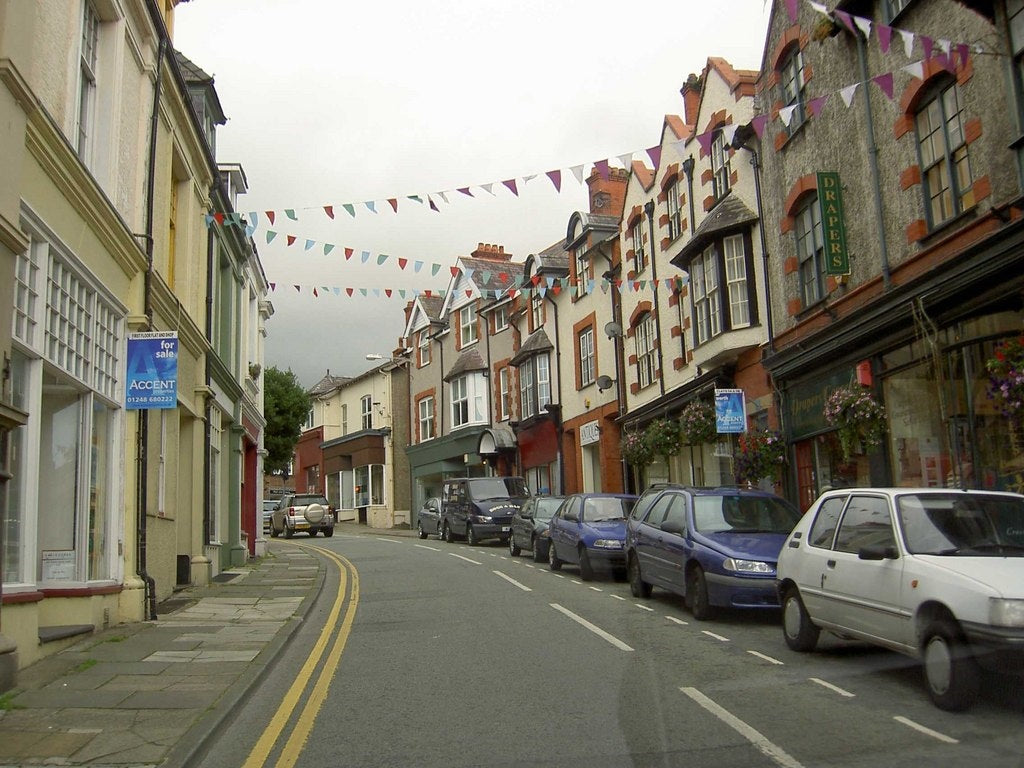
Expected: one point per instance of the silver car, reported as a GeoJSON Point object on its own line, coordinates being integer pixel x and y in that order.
{"type": "Point", "coordinates": [310, 512]}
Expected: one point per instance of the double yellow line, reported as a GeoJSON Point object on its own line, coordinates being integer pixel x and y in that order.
{"type": "Point", "coordinates": [304, 724]}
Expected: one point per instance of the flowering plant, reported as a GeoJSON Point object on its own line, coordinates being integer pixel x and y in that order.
{"type": "Point", "coordinates": [1006, 378]}
{"type": "Point", "coordinates": [698, 422]}
{"type": "Point", "coordinates": [857, 416]}
{"type": "Point", "coordinates": [760, 454]}
{"type": "Point", "coordinates": [635, 449]}
{"type": "Point", "coordinates": [664, 437]}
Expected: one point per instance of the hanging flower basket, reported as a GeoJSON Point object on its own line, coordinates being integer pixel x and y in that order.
{"type": "Point", "coordinates": [858, 418]}
{"type": "Point", "coordinates": [760, 455]}
{"type": "Point", "coordinates": [635, 449]}
{"type": "Point", "coordinates": [1006, 379]}
{"type": "Point", "coordinates": [664, 437]}
{"type": "Point", "coordinates": [698, 423]}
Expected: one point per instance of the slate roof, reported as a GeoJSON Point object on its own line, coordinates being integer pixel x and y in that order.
{"type": "Point", "coordinates": [470, 360]}
{"type": "Point", "coordinates": [491, 275]}
{"type": "Point", "coordinates": [537, 342]}
{"type": "Point", "coordinates": [730, 214]}
{"type": "Point", "coordinates": [327, 384]}
{"type": "Point", "coordinates": [432, 307]}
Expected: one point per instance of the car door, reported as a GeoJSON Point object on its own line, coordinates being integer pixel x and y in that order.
{"type": "Point", "coordinates": [810, 565]}
{"type": "Point", "coordinates": [431, 515]}
{"type": "Point", "coordinates": [522, 524]}
{"type": "Point", "coordinates": [563, 530]}
{"type": "Point", "coordinates": [864, 594]}
{"type": "Point", "coordinates": [653, 568]}
{"type": "Point", "coordinates": [675, 544]}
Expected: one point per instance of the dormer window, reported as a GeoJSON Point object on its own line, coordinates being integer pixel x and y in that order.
{"type": "Point", "coordinates": [580, 261]}
{"type": "Point", "coordinates": [467, 325]}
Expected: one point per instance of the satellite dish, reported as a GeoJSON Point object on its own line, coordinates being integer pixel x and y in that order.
{"type": "Point", "coordinates": [604, 382]}
{"type": "Point", "coordinates": [612, 330]}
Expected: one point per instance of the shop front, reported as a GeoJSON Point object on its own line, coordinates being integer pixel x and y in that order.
{"type": "Point", "coordinates": [434, 461]}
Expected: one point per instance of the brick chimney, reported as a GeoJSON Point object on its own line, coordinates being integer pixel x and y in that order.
{"type": "Point", "coordinates": [608, 196]}
{"type": "Point", "coordinates": [691, 98]}
{"type": "Point", "coordinates": [490, 252]}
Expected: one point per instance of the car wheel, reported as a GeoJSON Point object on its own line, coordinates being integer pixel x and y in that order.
{"type": "Point", "coordinates": [586, 569]}
{"type": "Point", "coordinates": [471, 538]}
{"type": "Point", "coordinates": [637, 586]}
{"type": "Point", "coordinates": [274, 533]}
{"type": "Point", "coordinates": [288, 532]}
{"type": "Point", "coordinates": [697, 594]}
{"type": "Point", "coordinates": [446, 533]}
{"type": "Point", "coordinates": [798, 629]}
{"type": "Point", "coordinates": [312, 532]}
{"type": "Point", "coordinates": [950, 671]}
{"type": "Point", "coordinates": [328, 532]}
{"type": "Point", "coordinates": [513, 548]}
{"type": "Point", "coordinates": [539, 555]}
{"type": "Point", "coordinates": [553, 562]}
{"type": "Point", "coordinates": [420, 531]}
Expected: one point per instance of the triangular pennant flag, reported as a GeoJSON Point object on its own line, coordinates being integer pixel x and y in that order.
{"type": "Point", "coordinates": [376, 292]}
{"type": "Point", "coordinates": [233, 219]}
{"type": "Point", "coordinates": [908, 42]}
{"type": "Point", "coordinates": [371, 205]}
{"type": "Point", "coordinates": [819, 7]}
{"type": "Point", "coordinates": [270, 236]}
{"type": "Point", "coordinates": [270, 217]}
{"type": "Point", "coordinates": [705, 139]}
{"type": "Point", "coordinates": [655, 154]}
{"type": "Point", "coordinates": [290, 214]}
{"type": "Point", "coordinates": [444, 196]}
{"type": "Point", "coordinates": [526, 180]}
{"type": "Point", "coordinates": [915, 70]}
{"type": "Point", "coordinates": [964, 50]}
{"type": "Point", "coordinates": [503, 277]}
{"type": "Point", "coordinates": [728, 132]}
{"type": "Point", "coordinates": [485, 276]}
{"type": "Point", "coordinates": [601, 166]}
{"type": "Point", "coordinates": [417, 198]}
{"type": "Point", "coordinates": [927, 45]}
{"type": "Point", "coordinates": [487, 188]}
{"type": "Point", "coordinates": [541, 290]}
{"type": "Point", "coordinates": [577, 171]}
{"type": "Point", "coordinates": [654, 284]}
{"type": "Point", "coordinates": [219, 218]}
{"type": "Point", "coordinates": [626, 160]}
{"type": "Point", "coordinates": [591, 284]}
{"type": "Point", "coordinates": [273, 287]}
{"type": "Point", "coordinates": [365, 256]}
{"type": "Point", "coordinates": [337, 291]}
{"type": "Point", "coordinates": [759, 123]}
{"type": "Point", "coordinates": [846, 19]}
{"type": "Point", "coordinates": [848, 92]}
{"type": "Point", "coordinates": [298, 288]}
{"type": "Point", "coordinates": [884, 37]}
{"type": "Point", "coordinates": [348, 253]}
{"type": "Point", "coordinates": [637, 286]}
{"type": "Point", "coordinates": [254, 217]}
{"type": "Point", "coordinates": [402, 262]}
{"type": "Point", "coordinates": [791, 9]}
{"type": "Point", "coordinates": [209, 220]}
{"type": "Point", "coordinates": [381, 258]}
{"type": "Point", "coordinates": [885, 83]}
{"type": "Point", "coordinates": [387, 292]}
{"type": "Point", "coordinates": [469, 293]}
{"type": "Point", "coordinates": [454, 271]}
{"type": "Point", "coordinates": [511, 184]}
{"type": "Point", "coordinates": [417, 267]}
{"type": "Point", "coordinates": [291, 239]}
{"type": "Point", "coordinates": [535, 279]}
{"type": "Point", "coordinates": [815, 106]}
{"type": "Point", "coordinates": [310, 244]}
{"type": "Point", "coordinates": [433, 206]}
{"type": "Point", "coordinates": [362, 291]}
{"type": "Point", "coordinates": [434, 269]}
{"type": "Point", "coordinates": [351, 209]}
{"type": "Point", "coordinates": [401, 292]}
{"type": "Point", "coordinates": [465, 191]}
{"type": "Point", "coordinates": [604, 287]}
{"type": "Point", "coordinates": [551, 281]}
{"type": "Point", "coordinates": [314, 291]}
{"type": "Point", "coordinates": [349, 291]}
{"type": "Point", "coordinates": [328, 247]}
{"type": "Point", "coordinates": [329, 210]}
{"type": "Point", "coordinates": [394, 203]}
{"type": "Point", "coordinates": [556, 179]}
{"type": "Point", "coordinates": [864, 25]}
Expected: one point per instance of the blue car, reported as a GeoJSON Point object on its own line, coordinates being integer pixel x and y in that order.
{"type": "Point", "coordinates": [715, 547]}
{"type": "Point", "coordinates": [589, 530]}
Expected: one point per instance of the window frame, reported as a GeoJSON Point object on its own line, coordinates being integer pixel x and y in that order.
{"type": "Point", "coordinates": [366, 411]}
{"type": "Point", "coordinates": [86, 108]}
{"type": "Point", "coordinates": [948, 165]}
{"type": "Point", "coordinates": [427, 420]}
{"type": "Point", "coordinates": [587, 357]}
{"type": "Point", "coordinates": [810, 261]}
{"type": "Point", "coordinates": [504, 394]}
{"type": "Point", "coordinates": [673, 207]}
{"type": "Point", "coordinates": [792, 86]}
{"type": "Point", "coordinates": [721, 169]}
{"type": "Point", "coordinates": [581, 265]}
{"type": "Point", "coordinates": [469, 332]}
{"type": "Point", "coordinates": [639, 255]}
{"type": "Point", "coordinates": [645, 342]}
{"type": "Point", "coordinates": [424, 351]}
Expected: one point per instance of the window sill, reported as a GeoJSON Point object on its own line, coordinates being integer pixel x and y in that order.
{"type": "Point", "coordinates": [952, 223]}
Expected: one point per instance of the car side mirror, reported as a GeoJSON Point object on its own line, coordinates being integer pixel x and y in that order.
{"type": "Point", "coordinates": [674, 526]}
{"type": "Point", "coordinates": [878, 553]}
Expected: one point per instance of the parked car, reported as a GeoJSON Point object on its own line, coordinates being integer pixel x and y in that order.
{"type": "Point", "coordinates": [530, 527]}
{"type": "Point", "coordinates": [589, 530]}
{"type": "Point", "coordinates": [428, 519]}
{"type": "Point", "coordinates": [479, 508]}
{"type": "Point", "coordinates": [714, 547]}
{"type": "Point", "coordinates": [310, 512]}
{"type": "Point", "coordinates": [269, 505]}
{"type": "Point", "coordinates": [934, 573]}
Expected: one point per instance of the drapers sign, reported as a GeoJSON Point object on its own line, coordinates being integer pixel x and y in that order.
{"type": "Point", "coordinates": [730, 411]}
{"type": "Point", "coordinates": [830, 197]}
{"type": "Point", "coordinates": [152, 380]}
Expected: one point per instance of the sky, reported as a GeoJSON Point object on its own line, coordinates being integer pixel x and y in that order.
{"type": "Point", "coordinates": [334, 102]}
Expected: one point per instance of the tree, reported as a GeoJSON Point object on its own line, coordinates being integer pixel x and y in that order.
{"type": "Point", "coordinates": [285, 407]}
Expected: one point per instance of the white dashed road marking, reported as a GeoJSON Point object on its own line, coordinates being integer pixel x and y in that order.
{"type": "Point", "coordinates": [755, 737]}
{"type": "Point", "coordinates": [474, 562]}
{"type": "Point", "coordinates": [678, 621]}
{"type": "Point", "coordinates": [595, 629]}
{"type": "Point", "coordinates": [645, 607]}
{"type": "Point", "coordinates": [928, 731]}
{"type": "Point", "coordinates": [717, 637]}
{"type": "Point", "coordinates": [619, 597]}
{"type": "Point", "coordinates": [831, 687]}
{"type": "Point", "coordinates": [766, 658]}
{"type": "Point", "coordinates": [424, 546]}
{"type": "Point", "coordinates": [512, 581]}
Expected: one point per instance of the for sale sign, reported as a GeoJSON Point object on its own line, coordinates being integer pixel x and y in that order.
{"type": "Point", "coordinates": [730, 411]}
{"type": "Point", "coordinates": [152, 379]}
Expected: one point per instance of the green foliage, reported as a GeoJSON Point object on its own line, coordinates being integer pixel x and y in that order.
{"type": "Point", "coordinates": [664, 436]}
{"type": "Point", "coordinates": [698, 422]}
{"type": "Point", "coordinates": [285, 406]}
{"type": "Point", "coordinates": [635, 449]}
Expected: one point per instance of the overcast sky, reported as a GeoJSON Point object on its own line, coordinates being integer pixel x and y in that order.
{"type": "Point", "coordinates": [334, 102]}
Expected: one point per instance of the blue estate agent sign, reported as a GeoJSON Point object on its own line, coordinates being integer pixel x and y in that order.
{"type": "Point", "coordinates": [730, 411]}
{"type": "Point", "coordinates": [152, 380]}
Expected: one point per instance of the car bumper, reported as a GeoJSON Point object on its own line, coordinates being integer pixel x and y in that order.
{"type": "Point", "coordinates": [607, 558]}
{"type": "Point", "coordinates": [302, 525]}
{"type": "Point", "coordinates": [742, 591]}
{"type": "Point", "coordinates": [999, 648]}
{"type": "Point", "coordinates": [492, 530]}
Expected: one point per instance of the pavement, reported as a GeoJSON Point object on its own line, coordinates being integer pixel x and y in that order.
{"type": "Point", "coordinates": [153, 693]}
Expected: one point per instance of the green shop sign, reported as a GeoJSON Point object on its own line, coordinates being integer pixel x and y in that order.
{"type": "Point", "coordinates": [830, 197]}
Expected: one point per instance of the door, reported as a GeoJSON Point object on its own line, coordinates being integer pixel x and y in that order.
{"type": "Point", "coordinates": [649, 539]}
{"type": "Point", "coordinates": [676, 544]}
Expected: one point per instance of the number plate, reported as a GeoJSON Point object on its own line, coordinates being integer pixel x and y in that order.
{"type": "Point", "coordinates": [506, 528]}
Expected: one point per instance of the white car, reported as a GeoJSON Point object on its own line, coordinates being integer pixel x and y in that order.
{"type": "Point", "coordinates": [935, 573]}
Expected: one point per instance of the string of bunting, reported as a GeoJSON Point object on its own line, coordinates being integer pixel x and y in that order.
{"type": "Point", "coordinates": [945, 51]}
{"type": "Point", "coordinates": [539, 287]}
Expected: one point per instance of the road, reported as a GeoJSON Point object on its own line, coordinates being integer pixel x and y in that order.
{"type": "Point", "coordinates": [440, 654]}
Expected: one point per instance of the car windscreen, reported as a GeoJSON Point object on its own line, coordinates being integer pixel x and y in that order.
{"type": "Point", "coordinates": [497, 488]}
{"type": "Point", "coordinates": [546, 508]}
{"type": "Point", "coordinates": [738, 513]}
{"type": "Point", "coordinates": [973, 525]}
{"type": "Point", "coordinates": [596, 510]}
{"type": "Point", "coordinates": [305, 500]}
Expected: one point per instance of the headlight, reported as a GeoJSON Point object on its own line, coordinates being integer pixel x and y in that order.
{"type": "Point", "coordinates": [1005, 613]}
{"type": "Point", "coordinates": [483, 519]}
{"type": "Point", "coordinates": [747, 566]}
{"type": "Point", "coordinates": [608, 544]}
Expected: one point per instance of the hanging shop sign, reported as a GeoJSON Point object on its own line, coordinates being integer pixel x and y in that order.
{"type": "Point", "coordinates": [152, 380]}
{"type": "Point", "coordinates": [730, 411]}
{"type": "Point", "coordinates": [830, 198]}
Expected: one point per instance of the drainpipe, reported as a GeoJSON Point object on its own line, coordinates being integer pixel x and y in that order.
{"type": "Point", "coordinates": [649, 210]}
{"type": "Point", "coordinates": [557, 417]}
{"type": "Point", "coordinates": [883, 248]}
{"type": "Point", "coordinates": [208, 405]}
{"type": "Point", "coordinates": [142, 495]}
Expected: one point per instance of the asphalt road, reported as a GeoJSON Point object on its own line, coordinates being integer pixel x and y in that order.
{"type": "Point", "coordinates": [463, 656]}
